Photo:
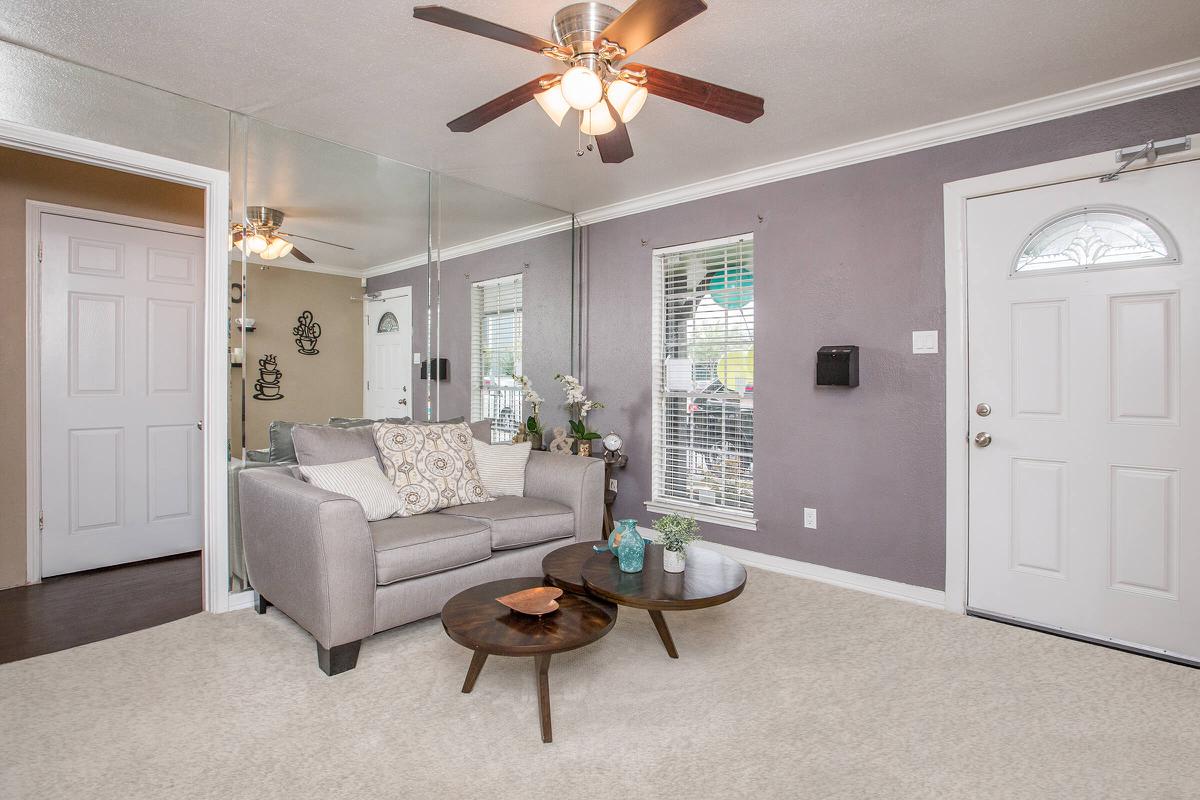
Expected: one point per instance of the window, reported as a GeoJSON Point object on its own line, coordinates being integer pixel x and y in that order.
{"type": "Point", "coordinates": [703, 384]}
{"type": "Point", "coordinates": [496, 354]}
{"type": "Point", "coordinates": [1096, 238]}
{"type": "Point", "coordinates": [387, 323]}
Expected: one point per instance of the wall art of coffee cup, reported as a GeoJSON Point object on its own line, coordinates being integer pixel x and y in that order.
{"type": "Point", "coordinates": [267, 386]}
{"type": "Point", "coordinates": [307, 332]}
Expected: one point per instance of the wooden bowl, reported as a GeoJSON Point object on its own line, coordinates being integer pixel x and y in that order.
{"type": "Point", "coordinates": [535, 602]}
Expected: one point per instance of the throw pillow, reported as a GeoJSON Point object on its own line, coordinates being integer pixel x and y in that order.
{"type": "Point", "coordinates": [280, 437]}
{"type": "Point", "coordinates": [324, 444]}
{"type": "Point", "coordinates": [432, 466]}
{"type": "Point", "coordinates": [502, 467]}
{"type": "Point", "coordinates": [360, 480]}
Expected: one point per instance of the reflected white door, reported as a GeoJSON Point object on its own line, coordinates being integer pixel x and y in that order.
{"type": "Point", "coordinates": [388, 339]}
{"type": "Point", "coordinates": [1083, 508]}
{"type": "Point", "coordinates": [121, 392]}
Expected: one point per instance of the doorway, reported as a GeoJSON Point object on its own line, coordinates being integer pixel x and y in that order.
{"type": "Point", "coordinates": [1082, 336]}
{"type": "Point", "coordinates": [387, 341]}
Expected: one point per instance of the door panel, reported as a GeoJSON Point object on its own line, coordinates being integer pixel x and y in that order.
{"type": "Point", "coordinates": [388, 340]}
{"type": "Point", "coordinates": [121, 392]}
{"type": "Point", "coordinates": [1079, 516]}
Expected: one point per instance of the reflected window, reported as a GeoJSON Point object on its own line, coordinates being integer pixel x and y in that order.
{"type": "Point", "coordinates": [1096, 238]}
{"type": "Point", "coordinates": [387, 323]}
{"type": "Point", "coordinates": [497, 316]}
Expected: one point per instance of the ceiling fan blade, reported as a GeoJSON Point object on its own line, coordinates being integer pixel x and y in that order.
{"type": "Point", "coordinates": [614, 146]}
{"type": "Point", "coordinates": [440, 15]}
{"type": "Point", "coordinates": [238, 236]}
{"type": "Point", "coordinates": [297, 254]}
{"type": "Point", "coordinates": [477, 118]}
{"type": "Point", "coordinates": [311, 239]}
{"type": "Point", "coordinates": [701, 94]}
{"type": "Point", "coordinates": [646, 20]}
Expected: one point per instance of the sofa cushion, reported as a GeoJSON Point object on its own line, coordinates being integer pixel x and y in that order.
{"type": "Point", "coordinates": [409, 547]}
{"type": "Point", "coordinates": [324, 444]}
{"type": "Point", "coordinates": [519, 521]}
{"type": "Point", "coordinates": [362, 481]}
{"type": "Point", "coordinates": [432, 466]}
{"type": "Point", "coordinates": [279, 435]}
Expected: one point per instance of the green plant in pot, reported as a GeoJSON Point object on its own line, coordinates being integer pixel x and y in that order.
{"type": "Point", "coordinates": [675, 533]}
{"type": "Point", "coordinates": [532, 429]}
{"type": "Point", "coordinates": [578, 405]}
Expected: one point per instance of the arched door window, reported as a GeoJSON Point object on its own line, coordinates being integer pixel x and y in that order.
{"type": "Point", "coordinates": [1096, 238]}
{"type": "Point", "coordinates": [387, 323]}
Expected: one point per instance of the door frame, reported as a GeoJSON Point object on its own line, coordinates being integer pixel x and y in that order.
{"type": "Point", "coordinates": [215, 184]}
{"type": "Point", "coordinates": [958, 419]}
{"type": "Point", "coordinates": [385, 294]}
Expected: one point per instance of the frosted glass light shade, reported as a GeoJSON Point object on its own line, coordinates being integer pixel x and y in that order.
{"type": "Point", "coordinates": [278, 247]}
{"type": "Point", "coordinates": [581, 88]}
{"type": "Point", "coordinates": [597, 121]}
{"type": "Point", "coordinates": [553, 103]}
{"type": "Point", "coordinates": [627, 99]}
{"type": "Point", "coordinates": [256, 243]}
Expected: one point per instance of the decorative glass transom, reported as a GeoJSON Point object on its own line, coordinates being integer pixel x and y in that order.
{"type": "Point", "coordinates": [387, 323]}
{"type": "Point", "coordinates": [1096, 238]}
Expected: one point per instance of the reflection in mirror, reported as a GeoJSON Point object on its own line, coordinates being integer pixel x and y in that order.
{"type": "Point", "coordinates": [310, 220]}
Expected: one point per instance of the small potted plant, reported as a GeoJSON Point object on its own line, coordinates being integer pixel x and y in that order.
{"type": "Point", "coordinates": [579, 405]}
{"type": "Point", "coordinates": [675, 533]}
{"type": "Point", "coordinates": [533, 425]}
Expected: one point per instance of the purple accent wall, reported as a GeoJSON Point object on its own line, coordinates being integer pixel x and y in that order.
{"type": "Point", "coordinates": [546, 264]}
{"type": "Point", "coordinates": [848, 256]}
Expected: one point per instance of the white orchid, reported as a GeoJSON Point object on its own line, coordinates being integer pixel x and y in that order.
{"type": "Point", "coordinates": [577, 402]}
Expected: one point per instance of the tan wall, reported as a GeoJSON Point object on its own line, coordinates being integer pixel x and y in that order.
{"type": "Point", "coordinates": [24, 176]}
{"type": "Point", "coordinates": [314, 387]}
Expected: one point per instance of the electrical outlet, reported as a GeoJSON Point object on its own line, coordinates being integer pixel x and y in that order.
{"type": "Point", "coordinates": [810, 518]}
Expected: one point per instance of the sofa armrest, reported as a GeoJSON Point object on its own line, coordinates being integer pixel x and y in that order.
{"type": "Point", "coordinates": [574, 481]}
{"type": "Point", "coordinates": [310, 553]}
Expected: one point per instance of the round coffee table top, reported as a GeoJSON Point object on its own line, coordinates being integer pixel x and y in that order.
{"type": "Point", "coordinates": [708, 579]}
{"type": "Point", "coordinates": [563, 566]}
{"type": "Point", "coordinates": [475, 619]}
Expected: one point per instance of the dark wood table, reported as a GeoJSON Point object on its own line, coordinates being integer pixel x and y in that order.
{"type": "Point", "coordinates": [474, 619]}
{"type": "Point", "coordinates": [708, 579]}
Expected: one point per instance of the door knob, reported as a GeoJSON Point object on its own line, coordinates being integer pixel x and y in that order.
{"type": "Point", "coordinates": [403, 401]}
{"type": "Point", "coordinates": [983, 439]}
{"type": "Point", "coordinates": [983, 409]}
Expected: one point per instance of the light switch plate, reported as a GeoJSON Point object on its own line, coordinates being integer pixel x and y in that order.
{"type": "Point", "coordinates": [417, 359]}
{"type": "Point", "coordinates": [810, 518]}
{"type": "Point", "coordinates": [925, 341]}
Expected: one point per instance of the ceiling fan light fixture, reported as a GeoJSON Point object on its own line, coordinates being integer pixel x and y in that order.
{"type": "Point", "coordinates": [277, 247]}
{"type": "Point", "coordinates": [257, 243]}
{"type": "Point", "coordinates": [581, 88]}
{"type": "Point", "coordinates": [553, 103]}
{"type": "Point", "coordinates": [627, 99]}
{"type": "Point", "coordinates": [597, 120]}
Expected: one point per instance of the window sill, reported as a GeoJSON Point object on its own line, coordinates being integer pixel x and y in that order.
{"type": "Point", "coordinates": [703, 514]}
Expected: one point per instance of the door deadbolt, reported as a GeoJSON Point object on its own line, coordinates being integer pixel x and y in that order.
{"type": "Point", "coordinates": [983, 439]}
{"type": "Point", "coordinates": [983, 409]}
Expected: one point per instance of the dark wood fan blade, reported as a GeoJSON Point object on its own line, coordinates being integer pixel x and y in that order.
{"type": "Point", "coordinates": [701, 94]}
{"type": "Point", "coordinates": [237, 236]}
{"type": "Point", "coordinates": [440, 15]}
{"type": "Point", "coordinates": [503, 104]}
{"type": "Point", "coordinates": [646, 20]}
{"type": "Point", "coordinates": [297, 254]}
{"type": "Point", "coordinates": [615, 146]}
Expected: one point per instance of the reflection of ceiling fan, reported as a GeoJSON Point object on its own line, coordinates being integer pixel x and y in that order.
{"type": "Point", "coordinates": [261, 236]}
{"type": "Point", "coordinates": [592, 39]}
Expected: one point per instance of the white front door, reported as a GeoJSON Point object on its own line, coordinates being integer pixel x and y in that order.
{"type": "Point", "coordinates": [388, 340]}
{"type": "Point", "coordinates": [1085, 344]}
{"type": "Point", "coordinates": [121, 343]}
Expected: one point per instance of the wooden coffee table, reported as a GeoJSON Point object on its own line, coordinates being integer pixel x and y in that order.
{"type": "Point", "coordinates": [708, 579]}
{"type": "Point", "coordinates": [475, 620]}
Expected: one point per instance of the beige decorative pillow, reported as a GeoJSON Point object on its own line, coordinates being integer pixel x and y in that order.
{"type": "Point", "coordinates": [431, 465]}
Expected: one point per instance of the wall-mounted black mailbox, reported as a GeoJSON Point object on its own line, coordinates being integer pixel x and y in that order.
{"type": "Point", "coordinates": [837, 365]}
{"type": "Point", "coordinates": [441, 369]}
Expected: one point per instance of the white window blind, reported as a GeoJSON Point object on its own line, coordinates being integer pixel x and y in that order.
{"type": "Point", "coordinates": [703, 385]}
{"type": "Point", "coordinates": [496, 309]}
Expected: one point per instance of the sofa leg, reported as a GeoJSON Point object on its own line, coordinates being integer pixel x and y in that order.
{"type": "Point", "coordinates": [339, 658]}
{"type": "Point", "coordinates": [261, 604]}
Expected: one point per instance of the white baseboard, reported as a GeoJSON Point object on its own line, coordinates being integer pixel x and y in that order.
{"type": "Point", "coordinates": [240, 600]}
{"type": "Point", "coordinates": [934, 598]}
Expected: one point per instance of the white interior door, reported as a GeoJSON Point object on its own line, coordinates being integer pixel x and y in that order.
{"type": "Point", "coordinates": [388, 340]}
{"type": "Point", "coordinates": [121, 392]}
{"type": "Point", "coordinates": [1083, 508]}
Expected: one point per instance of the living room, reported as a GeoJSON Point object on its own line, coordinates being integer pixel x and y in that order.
{"type": "Point", "coordinates": [794, 426]}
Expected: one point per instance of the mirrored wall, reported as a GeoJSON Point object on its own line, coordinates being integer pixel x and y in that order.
{"type": "Point", "coordinates": [362, 288]}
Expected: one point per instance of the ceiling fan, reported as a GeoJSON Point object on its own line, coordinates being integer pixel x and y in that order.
{"type": "Point", "coordinates": [593, 40]}
{"type": "Point", "coordinates": [260, 236]}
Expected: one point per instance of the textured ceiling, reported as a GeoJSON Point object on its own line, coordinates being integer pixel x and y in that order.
{"type": "Point", "coordinates": [369, 75]}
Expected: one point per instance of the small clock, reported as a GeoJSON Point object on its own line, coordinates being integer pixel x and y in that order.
{"type": "Point", "coordinates": [613, 443]}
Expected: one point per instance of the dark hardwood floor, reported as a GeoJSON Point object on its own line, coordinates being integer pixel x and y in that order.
{"type": "Point", "coordinates": [84, 607]}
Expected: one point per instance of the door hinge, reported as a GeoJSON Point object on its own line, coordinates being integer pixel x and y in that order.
{"type": "Point", "coordinates": [41, 251]}
{"type": "Point", "coordinates": [41, 521]}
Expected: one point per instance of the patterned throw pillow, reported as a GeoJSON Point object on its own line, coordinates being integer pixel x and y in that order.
{"type": "Point", "coordinates": [432, 466]}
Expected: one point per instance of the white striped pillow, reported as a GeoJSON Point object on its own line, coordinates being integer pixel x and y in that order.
{"type": "Point", "coordinates": [502, 467]}
{"type": "Point", "coordinates": [361, 480]}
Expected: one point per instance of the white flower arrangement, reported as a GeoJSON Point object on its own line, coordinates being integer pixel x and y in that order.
{"type": "Point", "coordinates": [579, 406]}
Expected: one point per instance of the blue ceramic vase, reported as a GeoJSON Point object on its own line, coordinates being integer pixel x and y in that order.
{"type": "Point", "coordinates": [614, 538]}
{"type": "Point", "coordinates": [631, 552]}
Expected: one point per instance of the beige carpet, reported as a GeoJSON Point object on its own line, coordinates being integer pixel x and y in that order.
{"type": "Point", "coordinates": [795, 690]}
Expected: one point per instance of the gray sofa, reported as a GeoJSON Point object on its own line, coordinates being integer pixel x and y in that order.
{"type": "Point", "coordinates": [313, 555]}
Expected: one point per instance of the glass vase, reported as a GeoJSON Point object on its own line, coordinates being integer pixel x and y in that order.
{"type": "Point", "coordinates": [631, 552]}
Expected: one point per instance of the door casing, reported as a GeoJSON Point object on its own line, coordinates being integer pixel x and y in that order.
{"type": "Point", "coordinates": [955, 196]}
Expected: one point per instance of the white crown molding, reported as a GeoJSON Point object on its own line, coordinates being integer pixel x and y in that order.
{"type": "Point", "coordinates": [920, 595]}
{"type": "Point", "coordinates": [325, 269]}
{"type": "Point", "coordinates": [478, 246]}
{"type": "Point", "coordinates": [1169, 78]}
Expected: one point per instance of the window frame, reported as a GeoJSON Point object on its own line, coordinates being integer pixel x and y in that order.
{"type": "Point", "coordinates": [1015, 270]}
{"type": "Point", "coordinates": [478, 323]}
{"type": "Point", "coordinates": [729, 517]}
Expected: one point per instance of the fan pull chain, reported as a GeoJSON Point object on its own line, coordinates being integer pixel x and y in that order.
{"type": "Point", "coordinates": [579, 136]}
